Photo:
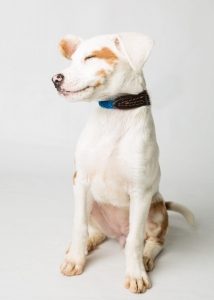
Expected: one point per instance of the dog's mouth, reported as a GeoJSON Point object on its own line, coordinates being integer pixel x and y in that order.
{"type": "Point", "coordinates": [65, 92]}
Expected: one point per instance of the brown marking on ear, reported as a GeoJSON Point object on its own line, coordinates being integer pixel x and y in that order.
{"type": "Point", "coordinates": [74, 177]}
{"type": "Point", "coordinates": [107, 54]}
{"type": "Point", "coordinates": [102, 73]}
{"type": "Point", "coordinates": [66, 48]}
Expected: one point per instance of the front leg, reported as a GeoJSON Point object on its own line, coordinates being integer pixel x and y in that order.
{"type": "Point", "coordinates": [75, 258]}
{"type": "Point", "coordinates": [137, 280]}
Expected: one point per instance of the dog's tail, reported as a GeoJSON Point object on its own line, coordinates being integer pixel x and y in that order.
{"type": "Point", "coordinates": [188, 215]}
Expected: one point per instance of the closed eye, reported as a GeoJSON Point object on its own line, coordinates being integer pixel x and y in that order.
{"type": "Point", "coordinates": [89, 57]}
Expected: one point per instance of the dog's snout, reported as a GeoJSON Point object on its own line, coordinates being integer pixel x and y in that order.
{"type": "Point", "coordinates": [58, 79]}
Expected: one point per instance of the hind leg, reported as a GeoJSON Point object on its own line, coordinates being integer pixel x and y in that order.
{"type": "Point", "coordinates": [156, 228]}
{"type": "Point", "coordinates": [151, 251]}
{"type": "Point", "coordinates": [95, 238]}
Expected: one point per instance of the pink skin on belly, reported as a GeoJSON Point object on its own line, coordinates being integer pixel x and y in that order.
{"type": "Point", "coordinates": [112, 221]}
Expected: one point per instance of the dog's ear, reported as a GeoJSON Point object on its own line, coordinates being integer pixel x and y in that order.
{"type": "Point", "coordinates": [135, 46]}
{"type": "Point", "coordinates": [68, 45]}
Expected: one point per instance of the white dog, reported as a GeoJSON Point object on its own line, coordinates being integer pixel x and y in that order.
{"type": "Point", "coordinates": [117, 174]}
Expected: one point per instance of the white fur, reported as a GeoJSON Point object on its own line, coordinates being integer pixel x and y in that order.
{"type": "Point", "coordinates": [117, 154]}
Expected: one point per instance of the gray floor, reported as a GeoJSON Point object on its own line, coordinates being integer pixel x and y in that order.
{"type": "Point", "coordinates": [36, 216]}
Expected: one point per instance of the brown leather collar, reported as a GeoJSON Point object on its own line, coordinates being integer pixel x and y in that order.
{"type": "Point", "coordinates": [128, 101]}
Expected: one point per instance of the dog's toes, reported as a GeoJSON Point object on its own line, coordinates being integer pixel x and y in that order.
{"type": "Point", "coordinates": [137, 285]}
{"type": "Point", "coordinates": [69, 268]}
{"type": "Point", "coordinates": [149, 263]}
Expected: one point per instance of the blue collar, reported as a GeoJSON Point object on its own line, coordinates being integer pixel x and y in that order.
{"type": "Point", "coordinates": [109, 104]}
{"type": "Point", "coordinates": [127, 101]}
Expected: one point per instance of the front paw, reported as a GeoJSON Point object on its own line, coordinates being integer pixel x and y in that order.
{"type": "Point", "coordinates": [138, 285]}
{"type": "Point", "coordinates": [71, 267]}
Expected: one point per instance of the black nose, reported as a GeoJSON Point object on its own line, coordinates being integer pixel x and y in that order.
{"type": "Point", "coordinates": [58, 80]}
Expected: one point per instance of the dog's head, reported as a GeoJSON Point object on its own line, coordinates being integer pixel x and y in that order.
{"type": "Point", "coordinates": [103, 67]}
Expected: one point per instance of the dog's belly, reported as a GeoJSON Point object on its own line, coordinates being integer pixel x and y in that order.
{"type": "Point", "coordinates": [111, 220]}
{"type": "Point", "coordinates": [109, 190]}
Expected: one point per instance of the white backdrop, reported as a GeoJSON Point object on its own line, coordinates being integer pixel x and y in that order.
{"type": "Point", "coordinates": [38, 131]}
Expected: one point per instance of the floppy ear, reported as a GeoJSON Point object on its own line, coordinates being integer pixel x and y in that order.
{"type": "Point", "coordinates": [136, 47]}
{"type": "Point", "coordinates": [68, 45]}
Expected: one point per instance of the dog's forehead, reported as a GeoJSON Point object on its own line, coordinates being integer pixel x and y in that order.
{"type": "Point", "coordinates": [96, 43]}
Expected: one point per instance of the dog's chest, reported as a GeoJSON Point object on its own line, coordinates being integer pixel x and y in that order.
{"type": "Point", "coordinates": [104, 164]}
{"type": "Point", "coordinates": [109, 154]}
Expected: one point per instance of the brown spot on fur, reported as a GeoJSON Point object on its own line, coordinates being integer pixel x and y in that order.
{"type": "Point", "coordinates": [101, 73]}
{"type": "Point", "coordinates": [74, 177]}
{"type": "Point", "coordinates": [106, 54]}
{"type": "Point", "coordinates": [94, 241]}
{"type": "Point", "coordinates": [157, 222]}
{"type": "Point", "coordinates": [98, 83]}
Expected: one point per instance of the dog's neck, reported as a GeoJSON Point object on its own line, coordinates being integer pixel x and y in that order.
{"type": "Point", "coordinates": [128, 101]}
